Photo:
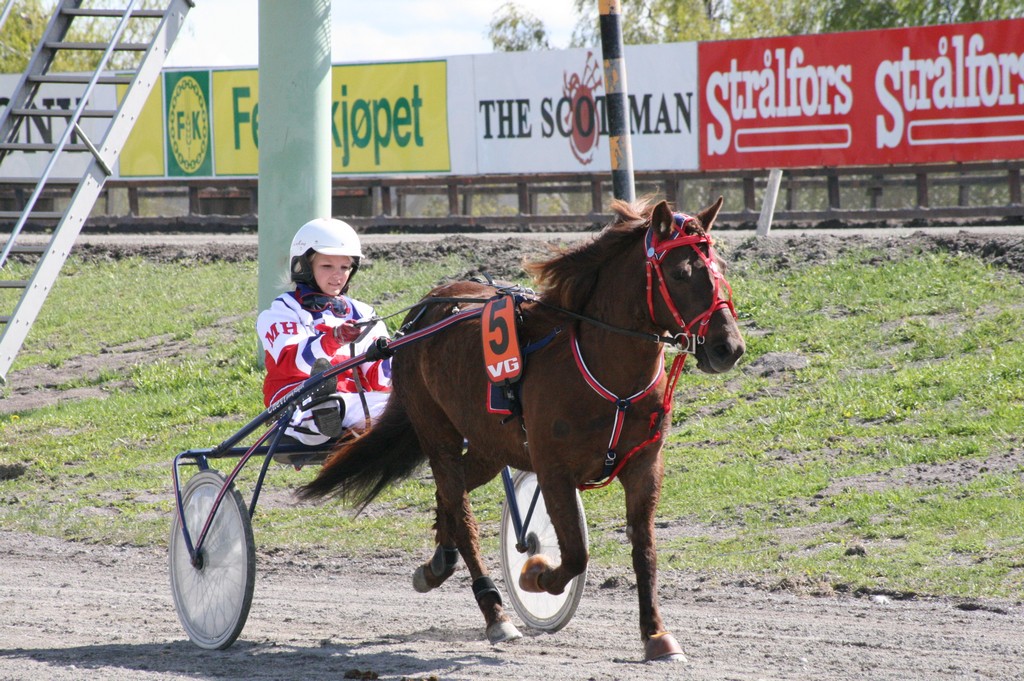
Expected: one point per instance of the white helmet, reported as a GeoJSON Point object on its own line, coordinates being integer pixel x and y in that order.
{"type": "Point", "coordinates": [322, 235]}
{"type": "Point", "coordinates": [327, 236]}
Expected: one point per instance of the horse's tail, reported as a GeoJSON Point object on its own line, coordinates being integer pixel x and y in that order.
{"type": "Point", "coordinates": [360, 470]}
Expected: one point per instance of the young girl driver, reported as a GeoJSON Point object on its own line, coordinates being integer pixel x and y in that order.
{"type": "Point", "coordinates": [307, 330]}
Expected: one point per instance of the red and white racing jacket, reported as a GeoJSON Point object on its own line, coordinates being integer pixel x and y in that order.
{"type": "Point", "coordinates": [293, 338]}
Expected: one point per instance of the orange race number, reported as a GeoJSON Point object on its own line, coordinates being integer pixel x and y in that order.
{"type": "Point", "coordinates": [501, 344]}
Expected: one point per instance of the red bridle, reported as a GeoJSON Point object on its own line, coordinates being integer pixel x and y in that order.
{"type": "Point", "coordinates": [656, 250]}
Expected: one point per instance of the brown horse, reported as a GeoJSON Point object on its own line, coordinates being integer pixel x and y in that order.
{"type": "Point", "coordinates": [602, 305]}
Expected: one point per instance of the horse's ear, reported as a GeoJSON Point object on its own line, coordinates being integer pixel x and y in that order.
{"type": "Point", "coordinates": [662, 221]}
{"type": "Point", "coordinates": [708, 215]}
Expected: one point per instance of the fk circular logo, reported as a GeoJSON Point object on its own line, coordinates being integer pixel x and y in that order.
{"type": "Point", "coordinates": [188, 125]}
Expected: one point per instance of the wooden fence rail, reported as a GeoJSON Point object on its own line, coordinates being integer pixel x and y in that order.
{"type": "Point", "coordinates": [808, 196]}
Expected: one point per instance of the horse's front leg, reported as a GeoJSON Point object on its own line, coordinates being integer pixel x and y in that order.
{"type": "Point", "coordinates": [641, 480]}
{"type": "Point", "coordinates": [538, 574]}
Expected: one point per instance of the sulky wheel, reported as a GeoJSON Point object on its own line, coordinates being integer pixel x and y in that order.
{"type": "Point", "coordinates": [213, 597]}
{"type": "Point", "coordinates": [541, 611]}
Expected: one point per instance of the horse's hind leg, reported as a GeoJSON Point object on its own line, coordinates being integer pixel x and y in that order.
{"type": "Point", "coordinates": [441, 566]}
{"type": "Point", "coordinates": [456, 532]}
{"type": "Point", "coordinates": [454, 477]}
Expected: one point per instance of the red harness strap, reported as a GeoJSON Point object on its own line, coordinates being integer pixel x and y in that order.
{"type": "Point", "coordinates": [612, 463]}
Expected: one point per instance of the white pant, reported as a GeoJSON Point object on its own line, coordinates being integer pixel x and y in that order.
{"type": "Point", "coordinates": [303, 428]}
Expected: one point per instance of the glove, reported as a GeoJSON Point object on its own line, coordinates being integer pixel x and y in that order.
{"type": "Point", "coordinates": [348, 332]}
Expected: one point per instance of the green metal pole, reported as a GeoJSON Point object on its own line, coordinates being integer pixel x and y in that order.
{"type": "Point", "coordinates": [616, 100]}
{"type": "Point", "coordinates": [294, 130]}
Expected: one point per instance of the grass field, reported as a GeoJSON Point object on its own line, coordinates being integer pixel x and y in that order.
{"type": "Point", "coordinates": [870, 439]}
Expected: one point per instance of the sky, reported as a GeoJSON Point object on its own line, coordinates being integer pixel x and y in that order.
{"type": "Point", "coordinates": [225, 32]}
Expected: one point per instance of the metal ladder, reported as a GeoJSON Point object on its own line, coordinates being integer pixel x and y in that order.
{"type": "Point", "coordinates": [99, 155]}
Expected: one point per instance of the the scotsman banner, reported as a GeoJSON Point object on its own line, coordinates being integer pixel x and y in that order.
{"type": "Point", "coordinates": [933, 94]}
{"type": "Point", "coordinates": [545, 111]}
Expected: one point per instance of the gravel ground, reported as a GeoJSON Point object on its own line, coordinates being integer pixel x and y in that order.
{"type": "Point", "coordinates": [72, 611]}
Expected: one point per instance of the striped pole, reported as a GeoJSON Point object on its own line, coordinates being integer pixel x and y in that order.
{"type": "Point", "coordinates": [616, 99]}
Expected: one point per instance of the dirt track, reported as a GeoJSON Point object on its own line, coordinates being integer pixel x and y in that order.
{"type": "Point", "coordinates": [69, 611]}
{"type": "Point", "coordinates": [73, 611]}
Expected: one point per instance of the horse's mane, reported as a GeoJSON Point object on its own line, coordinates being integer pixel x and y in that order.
{"type": "Point", "coordinates": [568, 278]}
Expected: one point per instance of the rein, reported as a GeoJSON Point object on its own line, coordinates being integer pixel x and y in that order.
{"type": "Point", "coordinates": [528, 295]}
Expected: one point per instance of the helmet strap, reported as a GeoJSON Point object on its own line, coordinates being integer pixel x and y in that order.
{"type": "Point", "coordinates": [302, 269]}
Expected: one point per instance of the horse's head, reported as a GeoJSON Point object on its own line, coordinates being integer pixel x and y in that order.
{"type": "Point", "coordinates": [687, 293]}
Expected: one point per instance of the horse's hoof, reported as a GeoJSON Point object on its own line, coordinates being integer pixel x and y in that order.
{"type": "Point", "coordinates": [663, 647]}
{"type": "Point", "coordinates": [533, 568]}
{"type": "Point", "coordinates": [499, 632]}
{"type": "Point", "coordinates": [419, 580]}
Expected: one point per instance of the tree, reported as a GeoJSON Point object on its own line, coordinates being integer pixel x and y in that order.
{"type": "Point", "coordinates": [658, 21]}
{"type": "Point", "coordinates": [852, 15]}
{"type": "Point", "coordinates": [28, 19]}
{"type": "Point", "coordinates": [652, 21]}
{"type": "Point", "coordinates": [20, 34]}
{"type": "Point", "coordinates": [515, 30]}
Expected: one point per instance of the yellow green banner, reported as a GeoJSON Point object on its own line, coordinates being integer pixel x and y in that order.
{"type": "Point", "coordinates": [390, 118]}
{"type": "Point", "coordinates": [236, 122]}
{"type": "Point", "coordinates": [385, 118]}
{"type": "Point", "coordinates": [143, 152]}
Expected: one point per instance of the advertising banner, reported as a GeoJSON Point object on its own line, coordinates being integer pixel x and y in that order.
{"type": "Point", "coordinates": [917, 95]}
{"type": "Point", "coordinates": [545, 111]}
{"type": "Point", "coordinates": [385, 118]}
{"type": "Point", "coordinates": [49, 129]}
{"type": "Point", "coordinates": [236, 122]}
{"type": "Point", "coordinates": [390, 118]}
{"type": "Point", "coordinates": [143, 152]}
{"type": "Point", "coordinates": [934, 94]}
